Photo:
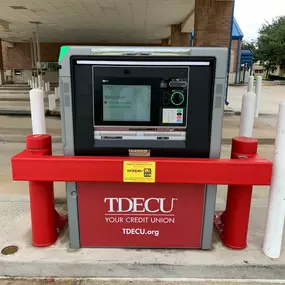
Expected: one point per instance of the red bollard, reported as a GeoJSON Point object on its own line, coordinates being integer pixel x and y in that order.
{"type": "Point", "coordinates": [43, 214]}
{"type": "Point", "coordinates": [232, 225]}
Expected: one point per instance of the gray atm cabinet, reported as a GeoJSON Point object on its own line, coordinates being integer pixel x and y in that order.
{"type": "Point", "coordinates": [220, 55]}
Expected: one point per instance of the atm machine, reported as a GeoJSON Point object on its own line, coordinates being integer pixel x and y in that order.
{"type": "Point", "coordinates": [141, 104]}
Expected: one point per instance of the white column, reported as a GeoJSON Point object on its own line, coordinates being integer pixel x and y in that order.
{"type": "Point", "coordinates": [35, 82]}
{"type": "Point", "coordinates": [51, 102]}
{"type": "Point", "coordinates": [276, 206]}
{"type": "Point", "coordinates": [35, 51]}
{"type": "Point", "coordinates": [250, 84]}
{"type": "Point", "coordinates": [32, 54]}
{"type": "Point", "coordinates": [47, 86]}
{"type": "Point", "coordinates": [38, 48]}
{"type": "Point", "coordinates": [56, 92]}
{"type": "Point", "coordinates": [258, 94]}
{"type": "Point", "coordinates": [247, 114]}
{"type": "Point", "coordinates": [40, 81]}
{"type": "Point", "coordinates": [38, 111]}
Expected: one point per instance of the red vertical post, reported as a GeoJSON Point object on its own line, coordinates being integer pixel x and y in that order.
{"type": "Point", "coordinates": [236, 216]}
{"type": "Point", "coordinates": [43, 215]}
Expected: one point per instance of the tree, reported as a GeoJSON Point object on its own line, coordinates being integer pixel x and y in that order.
{"type": "Point", "coordinates": [271, 44]}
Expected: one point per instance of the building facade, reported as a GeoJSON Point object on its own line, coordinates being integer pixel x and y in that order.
{"type": "Point", "coordinates": [211, 19]}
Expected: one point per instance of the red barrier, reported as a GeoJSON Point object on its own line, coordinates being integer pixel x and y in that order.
{"type": "Point", "coordinates": [232, 224]}
{"type": "Point", "coordinates": [46, 222]}
{"type": "Point", "coordinates": [37, 165]}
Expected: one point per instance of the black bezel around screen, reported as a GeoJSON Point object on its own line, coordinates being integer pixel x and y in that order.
{"type": "Point", "coordinates": [149, 76]}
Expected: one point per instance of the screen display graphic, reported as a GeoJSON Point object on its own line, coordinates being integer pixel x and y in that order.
{"type": "Point", "coordinates": [126, 103]}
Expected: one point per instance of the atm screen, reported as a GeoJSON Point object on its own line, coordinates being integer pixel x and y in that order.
{"type": "Point", "coordinates": [126, 103]}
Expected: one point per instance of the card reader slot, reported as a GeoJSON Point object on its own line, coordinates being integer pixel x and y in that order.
{"type": "Point", "coordinates": [111, 138]}
{"type": "Point", "coordinates": [163, 138]}
{"type": "Point", "coordinates": [142, 138]}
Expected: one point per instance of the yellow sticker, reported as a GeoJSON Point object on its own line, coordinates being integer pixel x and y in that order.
{"type": "Point", "coordinates": [139, 171]}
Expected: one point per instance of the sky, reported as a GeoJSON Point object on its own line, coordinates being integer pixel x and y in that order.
{"type": "Point", "coordinates": [251, 14]}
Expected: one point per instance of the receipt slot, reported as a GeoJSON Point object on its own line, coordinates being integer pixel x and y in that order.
{"type": "Point", "coordinates": [144, 106]}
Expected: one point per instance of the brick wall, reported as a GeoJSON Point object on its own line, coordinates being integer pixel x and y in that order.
{"type": "Point", "coordinates": [212, 23]}
{"type": "Point", "coordinates": [234, 55]}
{"type": "Point", "coordinates": [1, 65]}
{"type": "Point", "coordinates": [1, 57]}
{"type": "Point", "coordinates": [179, 39]}
{"type": "Point", "coordinates": [19, 56]}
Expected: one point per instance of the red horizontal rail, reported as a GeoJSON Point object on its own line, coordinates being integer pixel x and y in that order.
{"type": "Point", "coordinates": [28, 166]}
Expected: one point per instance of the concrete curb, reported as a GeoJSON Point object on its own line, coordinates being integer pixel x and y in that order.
{"type": "Point", "coordinates": [22, 139]}
{"type": "Point", "coordinates": [16, 99]}
{"type": "Point", "coordinates": [137, 270]}
{"type": "Point", "coordinates": [27, 113]}
{"type": "Point", "coordinates": [238, 113]}
{"type": "Point", "coordinates": [261, 141]}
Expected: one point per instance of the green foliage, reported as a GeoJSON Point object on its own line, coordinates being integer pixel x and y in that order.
{"type": "Point", "coordinates": [271, 44]}
{"type": "Point", "coordinates": [249, 45]}
{"type": "Point", "coordinates": [252, 46]}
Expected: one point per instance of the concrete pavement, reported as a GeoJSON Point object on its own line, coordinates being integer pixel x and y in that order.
{"type": "Point", "coordinates": [270, 98]}
{"type": "Point", "coordinates": [89, 281]}
{"type": "Point", "coordinates": [16, 128]}
{"type": "Point", "coordinates": [58, 260]}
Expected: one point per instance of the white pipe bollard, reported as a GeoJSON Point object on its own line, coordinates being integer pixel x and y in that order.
{"type": "Point", "coordinates": [258, 94]}
{"type": "Point", "coordinates": [51, 102]}
{"type": "Point", "coordinates": [250, 84]}
{"type": "Point", "coordinates": [247, 114]}
{"type": "Point", "coordinates": [36, 83]}
{"type": "Point", "coordinates": [276, 205]}
{"type": "Point", "coordinates": [40, 81]}
{"type": "Point", "coordinates": [38, 111]}
{"type": "Point", "coordinates": [46, 87]}
{"type": "Point", "coordinates": [56, 93]}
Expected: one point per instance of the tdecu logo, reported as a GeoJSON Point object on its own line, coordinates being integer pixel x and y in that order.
{"type": "Point", "coordinates": [140, 205]}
